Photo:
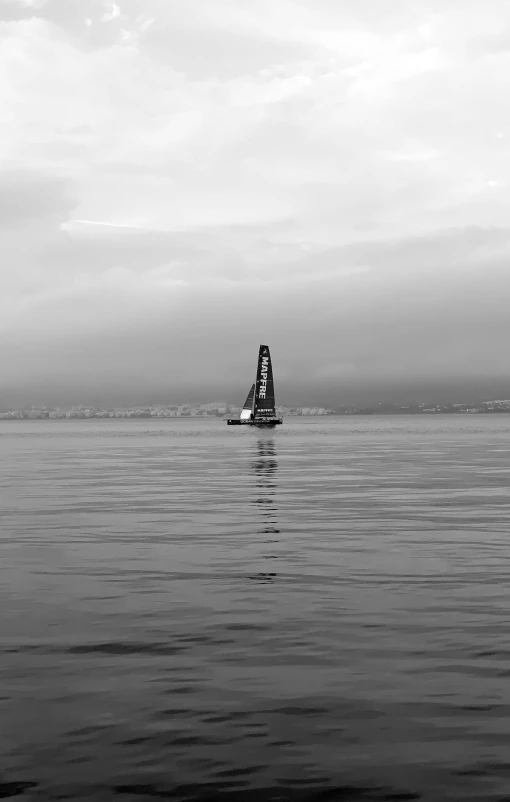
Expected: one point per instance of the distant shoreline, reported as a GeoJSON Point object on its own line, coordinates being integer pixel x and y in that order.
{"type": "Point", "coordinates": [221, 412]}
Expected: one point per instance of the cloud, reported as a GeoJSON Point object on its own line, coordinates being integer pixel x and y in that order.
{"type": "Point", "coordinates": [113, 12]}
{"type": "Point", "coordinates": [35, 4]}
{"type": "Point", "coordinates": [320, 171]}
{"type": "Point", "coordinates": [27, 196]}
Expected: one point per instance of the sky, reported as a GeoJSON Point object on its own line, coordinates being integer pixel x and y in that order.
{"type": "Point", "coordinates": [181, 181]}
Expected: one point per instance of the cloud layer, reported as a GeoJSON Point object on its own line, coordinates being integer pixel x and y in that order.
{"type": "Point", "coordinates": [179, 181]}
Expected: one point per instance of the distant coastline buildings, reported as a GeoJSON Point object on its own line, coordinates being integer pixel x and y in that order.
{"type": "Point", "coordinates": [219, 409]}
{"type": "Point", "coordinates": [213, 410]}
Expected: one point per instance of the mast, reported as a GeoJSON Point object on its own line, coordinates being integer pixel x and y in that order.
{"type": "Point", "coordinates": [264, 401]}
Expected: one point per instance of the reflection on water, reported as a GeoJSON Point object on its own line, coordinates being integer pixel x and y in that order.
{"type": "Point", "coordinates": [264, 468]}
{"type": "Point", "coordinates": [149, 648]}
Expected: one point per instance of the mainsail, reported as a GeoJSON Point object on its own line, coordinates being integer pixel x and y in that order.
{"type": "Point", "coordinates": [264, 387]}
{"type": "Point", "coordinates": [248, 405]}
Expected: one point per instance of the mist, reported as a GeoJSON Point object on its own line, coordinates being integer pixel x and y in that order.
{"type": "Point", "coordinates": [364, 323]}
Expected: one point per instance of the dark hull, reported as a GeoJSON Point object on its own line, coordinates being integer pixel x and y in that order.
{"type": "Point", "coordinates": [264, 423]}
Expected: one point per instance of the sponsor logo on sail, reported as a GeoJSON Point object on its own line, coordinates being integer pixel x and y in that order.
{"type": "Point", "coordinates": [263, 377]}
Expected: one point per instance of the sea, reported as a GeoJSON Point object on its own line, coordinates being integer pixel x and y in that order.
{"type": "Point", "coordinates": [191, 611]}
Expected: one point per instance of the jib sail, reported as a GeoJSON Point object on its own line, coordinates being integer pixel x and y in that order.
{"type": "Point", "coordinates": [248, 404]}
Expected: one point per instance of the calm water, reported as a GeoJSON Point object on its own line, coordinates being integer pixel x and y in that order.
{"type": "Point", "coordinates": [190, 611]}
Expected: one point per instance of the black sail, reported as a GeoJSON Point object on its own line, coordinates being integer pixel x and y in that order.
{"type": "Point", "coordinates": [264, 386]}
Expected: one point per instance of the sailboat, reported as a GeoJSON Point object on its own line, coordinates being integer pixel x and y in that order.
{"type": "Point", "coordinates": [259, 408]}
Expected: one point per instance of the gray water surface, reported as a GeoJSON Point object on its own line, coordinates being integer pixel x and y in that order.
{"type": "Point", "coordinates": [193, 611]}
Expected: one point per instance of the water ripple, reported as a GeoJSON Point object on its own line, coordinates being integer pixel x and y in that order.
{"type": "Point", "coordinates": [317, 613]}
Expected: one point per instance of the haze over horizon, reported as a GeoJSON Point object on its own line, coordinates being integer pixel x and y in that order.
{"type": "Point", "coordinates": [182, 181]}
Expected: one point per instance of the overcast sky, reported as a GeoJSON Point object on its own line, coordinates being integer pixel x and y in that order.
{"type": "Point", "coordinates": [181, 180]}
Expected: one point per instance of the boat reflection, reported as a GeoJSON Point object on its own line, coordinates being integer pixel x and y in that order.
{"type": "Point", "coordinates": [265, 466]}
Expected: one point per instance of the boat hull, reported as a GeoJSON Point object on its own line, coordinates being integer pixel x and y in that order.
{"type": "Point", "coordinates": [263, 422]}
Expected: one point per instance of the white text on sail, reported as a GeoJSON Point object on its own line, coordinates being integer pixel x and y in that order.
{"type": "Point", "coordinates": [263, 377]}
